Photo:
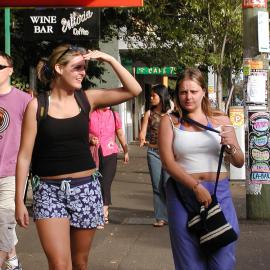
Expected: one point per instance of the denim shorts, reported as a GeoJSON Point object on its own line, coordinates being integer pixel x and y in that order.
{"type": "Point", "coordinates": [78, 199]}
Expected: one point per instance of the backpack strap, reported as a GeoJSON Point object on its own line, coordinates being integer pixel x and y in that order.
{"type": "Point", "coordinates": [82, 100]}
{"type": "Point", "coordinates": [43, 106]}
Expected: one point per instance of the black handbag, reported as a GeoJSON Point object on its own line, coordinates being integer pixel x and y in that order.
{"type": "Point", "coordinates": [208, 224]}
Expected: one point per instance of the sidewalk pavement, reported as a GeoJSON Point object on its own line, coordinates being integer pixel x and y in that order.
{"type": "Point", "coordinates": [130, 242]}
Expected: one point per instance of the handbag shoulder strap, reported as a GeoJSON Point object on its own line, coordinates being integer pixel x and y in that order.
{"type": "Point", "coordinates": [191, 121]}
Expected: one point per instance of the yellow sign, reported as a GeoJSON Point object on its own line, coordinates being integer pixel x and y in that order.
{"type": "Point", "coordinates": [237, 116]}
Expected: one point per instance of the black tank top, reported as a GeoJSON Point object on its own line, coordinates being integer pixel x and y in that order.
{"type": "Point", "coordinates": [62, 146]}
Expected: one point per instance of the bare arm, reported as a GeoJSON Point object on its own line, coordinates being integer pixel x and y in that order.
{"type": "Point", "coordinates": [173, 167]}
{"type": "Point", "coordinates": [143, 131]}
{"type": "Point", "coordinates": [29, 130]}
{"type": "Point", "coordinates": [122, 139]}
{"type": "Point", "coordinates": [107, 97]}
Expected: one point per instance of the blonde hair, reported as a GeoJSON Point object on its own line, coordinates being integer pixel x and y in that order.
{"type": "Point", "coordinates": [196, 76]}
{"type": "Point", "coordinates": [60, 55]}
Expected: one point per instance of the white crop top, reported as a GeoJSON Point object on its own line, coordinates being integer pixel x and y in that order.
{"type": "Point", "coordinates": [197, 151]}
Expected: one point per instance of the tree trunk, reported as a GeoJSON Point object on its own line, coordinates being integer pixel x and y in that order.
{"type": "Point", "coordinates": [219, 91]}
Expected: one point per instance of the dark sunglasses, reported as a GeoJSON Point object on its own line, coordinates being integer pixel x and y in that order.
{"type": "Point", "coordinates": [3, 67]}
{"type": "Point", "coordinates": [71, 48]}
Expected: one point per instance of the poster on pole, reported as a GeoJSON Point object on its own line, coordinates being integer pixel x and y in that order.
{"type": "Point", "coordinates": [259, 147]}
{"type": "Point", "coordinates": [237, 119]}
{"type": "Point", "coordinates": [257, 87]}
{"type": "Point", "coordinates": [263, 31]}
{"type": "Point", "coordinates": [254, 3]}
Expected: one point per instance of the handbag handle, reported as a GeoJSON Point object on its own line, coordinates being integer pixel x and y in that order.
{"type": "Point", "coordinates": [191, 121]}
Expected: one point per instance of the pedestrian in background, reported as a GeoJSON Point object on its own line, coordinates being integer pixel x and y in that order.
{"type": "Point", "coordinates": [160, 104]}
{"type": "Point", "coordinates": [190, 155]}
{"type": "Point", "coordinates": [67, 200]}
{"type": "Point", "coordinates": [104, 126]}
{"type": "Point", "coordinates": [13, 103]}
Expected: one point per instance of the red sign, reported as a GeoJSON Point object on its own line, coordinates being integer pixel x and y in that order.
{"type": "Point", "coordinates": [254, 4]}
{"type": "Point", "coordinates": [71, 3]}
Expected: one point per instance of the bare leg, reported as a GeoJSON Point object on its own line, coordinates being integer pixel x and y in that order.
{"type": "Point", "coordinates": [106, 213]}
{"type": "Point", "coordinates": [54, 235]}
{"type": "Point", "coordinates": [81, 240]}
{"type": "Point", "coordinates": [12, 253]}
{"type": "Point", "coordinates": [3, 256]}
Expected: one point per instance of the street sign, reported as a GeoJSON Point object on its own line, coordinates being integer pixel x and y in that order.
{"type": "Point", "coordinates": [69, 24]}
{"type": "Point", "coordinates": [71, 3]}
{"type": "Point", "coordinates": [156, 70]}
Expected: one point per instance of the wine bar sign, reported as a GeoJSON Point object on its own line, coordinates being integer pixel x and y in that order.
{"type": "Point", "coordinates": [58, 24]}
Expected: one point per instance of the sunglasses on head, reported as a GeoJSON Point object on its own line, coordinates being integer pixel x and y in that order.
{"type": "Point", "coordinates": [3, 67]}
{"type": "Point", "coordinates": [71, 48]}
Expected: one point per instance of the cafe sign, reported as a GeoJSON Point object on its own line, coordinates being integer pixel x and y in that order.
{"type": "Point", "coordinates": [156, 70]}
{"type": "Point", "coordinates": [58, 24]}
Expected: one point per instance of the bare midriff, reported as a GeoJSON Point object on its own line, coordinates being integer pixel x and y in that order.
{"type": "Point", "coordinates": [209, 176]}
{"type": "Point", "coordinates": [71, 175]}
{"type": "Point", "coordinates": [152, 145]}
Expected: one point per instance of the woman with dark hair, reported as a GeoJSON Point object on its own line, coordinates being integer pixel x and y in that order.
{"type": "Point", "coordinates": [67, 199]}
{"type": "Point", "coordinates": [160, 104]}
{"type": "Point", "coordinates": [190, 155]}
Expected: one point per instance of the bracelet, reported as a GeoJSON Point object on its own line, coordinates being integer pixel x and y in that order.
{"type": "Point", "coordinates": [231, 151]}
{"type": "Point", "coordinates": [194, 188]}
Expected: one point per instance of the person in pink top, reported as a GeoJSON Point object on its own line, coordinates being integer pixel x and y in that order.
{"type": "Point", "coordinates": [104, 126]}
{"type": "Point", "coordinates": [13, 103]}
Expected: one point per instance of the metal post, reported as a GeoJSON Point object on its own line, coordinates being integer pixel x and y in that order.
{"type": "Point", "coordinates": [7, 30]}
{"type": "Point", "coordinates": [257, 117]}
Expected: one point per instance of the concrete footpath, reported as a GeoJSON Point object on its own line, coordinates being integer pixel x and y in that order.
{"type": "Point", "coordinates": [130, 242]}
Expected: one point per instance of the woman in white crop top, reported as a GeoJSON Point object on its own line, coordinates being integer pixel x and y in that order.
{"type": "Point", "coordinates": [190, 155]}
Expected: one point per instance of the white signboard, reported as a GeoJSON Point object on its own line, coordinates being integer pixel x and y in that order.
{"type": "Point", "coordinates": [263, 31]}
{"type": "Point", "coordinates": [256, 87]}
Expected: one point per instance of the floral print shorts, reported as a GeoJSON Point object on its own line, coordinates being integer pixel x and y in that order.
{"type": "Point", "coordinates": [78, 199]}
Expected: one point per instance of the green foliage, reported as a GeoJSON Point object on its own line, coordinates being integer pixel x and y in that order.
{"type": "Point", "coordinates": [20, 82]}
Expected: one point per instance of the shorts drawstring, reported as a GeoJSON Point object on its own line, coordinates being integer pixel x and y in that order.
{"type": "Point", "coordinates": [65, 186]}
{"type": "Point", "coordinates": [96, 175]}
{"type": "Point", "coordinates": [35, 181]}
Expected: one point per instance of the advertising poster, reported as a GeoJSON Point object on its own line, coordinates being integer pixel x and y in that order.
{"type": "Point", "coordinates": [257, 87]}
{"type": "Point", "coordinates": [237, 120]}
{"type": "Point", "coordinates": [254, 3]}
{"type": "Point", "coordinates": [259, 147]}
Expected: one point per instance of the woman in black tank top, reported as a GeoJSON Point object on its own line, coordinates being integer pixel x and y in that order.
{"type": "Point", "coordinates": [66, 194]}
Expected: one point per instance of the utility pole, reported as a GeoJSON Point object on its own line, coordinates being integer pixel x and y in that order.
{"type": "Point", "coordinates": [7, 30]}
{"type": "Point", "coordinates": [256, 96]}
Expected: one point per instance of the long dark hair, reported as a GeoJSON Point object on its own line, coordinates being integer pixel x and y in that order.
{"type": "Point", "coordinates": [163, 93]}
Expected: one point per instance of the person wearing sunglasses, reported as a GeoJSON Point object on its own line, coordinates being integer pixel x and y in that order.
{"type": "Point", "coordinates": [13, 103]}
{"type": "Point", "coordinates": [67, 199]}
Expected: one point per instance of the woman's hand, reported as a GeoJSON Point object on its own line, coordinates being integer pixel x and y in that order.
{"type": "Point", "coordinates": [94, 140]}
{"type": "Point", "coordinates": [21, 215]}
{"type": "Point", "coordinates": [97, 55]}
{"type": "Point", "coordinates": [126, 158]}
{"type": "Point", "coordinates": [202, 195]}
{"type": "Point", "coordinates": [141, 139]}
{"type": "Point", "coordinates": [227, 135]}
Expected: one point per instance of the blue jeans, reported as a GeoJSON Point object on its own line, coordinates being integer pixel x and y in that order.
{"type": "Point", "coordinates": [158, 178]}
